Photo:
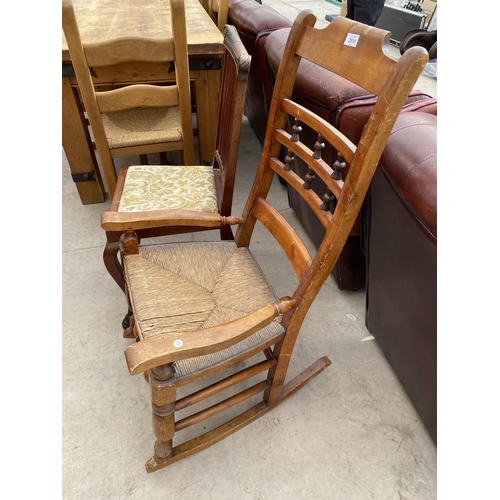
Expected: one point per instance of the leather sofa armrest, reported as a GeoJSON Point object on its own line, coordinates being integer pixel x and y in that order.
{"type": "Point", "coordinates": [252, 18]}
{"type": "Point", "coordinates": [409, 162]}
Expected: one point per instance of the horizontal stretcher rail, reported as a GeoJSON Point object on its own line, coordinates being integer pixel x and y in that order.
{"type": "Point", "coordinates": [223, 405]}
{"type": "Point", "coordinates": [224, 384]}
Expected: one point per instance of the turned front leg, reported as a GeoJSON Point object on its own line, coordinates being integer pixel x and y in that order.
{"type": "Point", "coordinates": [163, 394]}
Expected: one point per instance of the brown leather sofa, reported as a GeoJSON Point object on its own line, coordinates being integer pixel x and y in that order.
{"type": "Point", "coordinates": [401, 290]}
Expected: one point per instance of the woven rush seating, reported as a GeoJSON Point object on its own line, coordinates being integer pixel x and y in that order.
{"type": "Point", "coordinates": [208, 283]}
{"type": "Point", "coordinates": [138, 126]}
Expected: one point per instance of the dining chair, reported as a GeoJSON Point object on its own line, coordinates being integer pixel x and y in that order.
{"type": "Point", "coordinates": [143, 189]}
{"type": "Point", "coordinates": [136, 119]}
{"type": "Point", "coordinates": [201, 310]}
{"type": "Point", "coordinates": [218, 10]}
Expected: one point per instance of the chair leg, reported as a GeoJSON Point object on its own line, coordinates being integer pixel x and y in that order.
{"type": "Point", "coordinates": [163, 393]}
{"type": "Point", "coordinates": [277, 374]}
{"type": "Point", "coordinates": [199, 443]}
{"type": "Point", "coordinates": [112, 263]}
{"type": "Point", "coordinates": [226, 233]}
{"type": "Point", "coordinates": [115, 269]}
{"type": "Point", "coordinates": [282, 353]}
{"type": "Point", "coordinates": [143, 159]}
{"type": "Point", "coordinates": [109, 171]}
{"type": "Point", "coordinates": [128, 323]}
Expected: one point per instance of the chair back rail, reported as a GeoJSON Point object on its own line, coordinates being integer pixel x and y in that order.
{"type": "Point", "coordinates": [137, 96]}
{"type": "Point", "coordinates": [126, 49]}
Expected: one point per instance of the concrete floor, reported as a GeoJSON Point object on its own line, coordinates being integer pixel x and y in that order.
{"type": "Point", "coordinates": [352, 433]}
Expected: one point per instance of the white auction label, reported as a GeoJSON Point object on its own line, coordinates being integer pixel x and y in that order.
{"type": "Point", "coordinates": [351, 39]}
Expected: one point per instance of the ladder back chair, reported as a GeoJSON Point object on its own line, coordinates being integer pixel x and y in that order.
{"type": "Point", "coordinates": [201, 307]}
{"type": "Point", "coordinates": [156, 191]}
{"type": "Point", "coordinates": [136, 119]}
{"type": "Point", "coordinates": [218, 10]}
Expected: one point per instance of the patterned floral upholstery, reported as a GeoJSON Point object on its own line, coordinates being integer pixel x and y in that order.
{"type": "Point", "coordinates": [172, 187]}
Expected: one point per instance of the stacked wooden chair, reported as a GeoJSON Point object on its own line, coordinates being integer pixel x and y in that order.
{"type": "Point", "coordinates": [137, 119]}
{"type": "Point", "coordinates": [202, 308]}
{"type": "Point", "coordinates": [218, 10]}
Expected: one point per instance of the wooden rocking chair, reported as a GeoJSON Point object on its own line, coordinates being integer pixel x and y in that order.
{"type": "Point", "coordinates": [201, 307]}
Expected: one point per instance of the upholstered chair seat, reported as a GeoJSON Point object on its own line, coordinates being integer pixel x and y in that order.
{"type": "Point", "coordinates": [171, 187]}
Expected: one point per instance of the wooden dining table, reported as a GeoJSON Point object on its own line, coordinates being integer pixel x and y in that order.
{"type": "Point", "coordinates": [101, 19]}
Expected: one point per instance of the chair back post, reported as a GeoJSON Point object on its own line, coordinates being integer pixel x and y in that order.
{"type": "Point", "coordinates": [235, 71]}
{"type": "Point", "coordinates": [179, 31]}
{"type": "Point", "coordinates": [285, 80]}
{"type": "Point", "coordinates": [86, 87]}
{"type": "Point", "coordinates": [218, 10]}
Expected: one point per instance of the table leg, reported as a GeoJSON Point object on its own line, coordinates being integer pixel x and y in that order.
{"type": "Point", "coordinates": [207, 106]}
{"type": "Point", "coordinates": [78, 147]}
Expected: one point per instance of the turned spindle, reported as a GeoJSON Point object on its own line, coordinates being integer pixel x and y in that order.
{"type": "Point", "coordinates": [310, 176]}
{"type": "Point", "coordinates": [318, 147]}
{"type": "Point", "coordinates": [296, 130]}
{"type": "Point", "coordinates": [328, 198]}
{"type": "Point", "coordinates": [338, 167]}
{"type": "Point", "coordinates": [288, 160]}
